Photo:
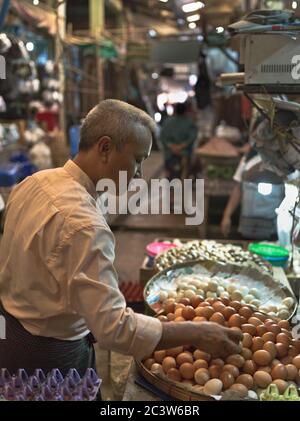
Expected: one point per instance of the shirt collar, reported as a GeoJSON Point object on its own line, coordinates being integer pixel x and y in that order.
{"type": "Point", "coordinates": [81, 177]}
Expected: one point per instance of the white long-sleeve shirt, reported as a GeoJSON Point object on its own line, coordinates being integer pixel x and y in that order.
{"type": "Point", "coordinates": [56, 266]}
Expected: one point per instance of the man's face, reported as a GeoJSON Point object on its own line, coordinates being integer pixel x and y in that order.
{"type": "Point", "coordinates": [130, 156]}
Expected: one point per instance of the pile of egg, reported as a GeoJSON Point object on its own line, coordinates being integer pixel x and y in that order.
{"type": "Point", "coordinates": [217, 287]}
{"type": "Point", "coordinates": [269, 352]}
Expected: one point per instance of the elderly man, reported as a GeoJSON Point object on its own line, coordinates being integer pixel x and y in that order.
{"type": "Point", "coordinates": [57, 280]}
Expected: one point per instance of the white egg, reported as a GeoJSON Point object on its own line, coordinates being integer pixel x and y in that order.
{"type": "Point", "coordinates": [231, 288]}
{"type": "Point", "coordinates": [172, 294]}
{"type": "Point", "coordinates": [248, 298]}
{"type": "Point", "coordinates": [272, 309]}
{"type": "Point", "coordinates": [225, 294]}
{"type": "Point", "coordinates": [252, 394]}
{"type": "Point", "coordinates": [283, 314]}
{"type": "Point", "coordinates": [220, 289]}
{"type": "Point", "coordinates": [183, 285]}
{"type": "Point", "coordinates": [189, 293]}
{"type": "Point", "coordinates": [163, 295]}
{"type": "Point", "coordinates": [263, 309]}
{"type": "Point", "coordinates": [255, 292]}
{"type": "Point", "coordinates": [272, 314]}
{"type": "Point", "coordinates": [236, 295]}
{"type": "Point", "coordinates": [244, 290]}
{"type": "Point", "coordinates": [255, 303]}
{"type": "Point", "coordinates": [288, 301]}
{"type": "Point", "coordinates": [179, 296]}
{"type": "Point", "coordinates": [213, 286]}
{"type": "Point", "coordinates": [210, 294]}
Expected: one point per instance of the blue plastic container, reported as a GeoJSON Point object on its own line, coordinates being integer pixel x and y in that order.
{"type": "Point", "coordinates": [9, 174]}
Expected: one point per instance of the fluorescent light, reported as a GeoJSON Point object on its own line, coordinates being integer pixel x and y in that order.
{"type": "Point", "coordinates": [193, 18]}
{"type": "Point", "coordinates": [35, 2]}
{"type": "Point", "coordinates": [155, 75]}
{"type": "Point", "coordinates": [30, 46]}
{"type": "Point", "coordinates": [170, 110]}
{"type": "Point", "coordinates": [152, 33]}
{"type": "Point", "coordinates": [265, 189]}
{"type": "Point", "coordinates": [220, 29]}
{"type": "Point", "coordinates": [192, 25]}
{"type": "Point", "coordinates": [294, 5]}
{"type": "Point", "coordinates": [193, 7]}
{"type": "Point", "coordinates": [164, 1]}
{"type": "Point", "coordinates": [193, 80]}
{"type": "Point", "coordinates": [157, 117]}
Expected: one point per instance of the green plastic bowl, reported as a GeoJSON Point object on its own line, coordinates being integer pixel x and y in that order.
{"type": "Point", "coordinates": [276, 255]}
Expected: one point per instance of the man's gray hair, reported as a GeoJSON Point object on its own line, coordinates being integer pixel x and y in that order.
{"type": "Point", "coordinates": [115, 119]}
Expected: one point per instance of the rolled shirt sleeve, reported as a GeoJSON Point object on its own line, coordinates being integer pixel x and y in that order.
{"type": "Point", "coordinates": [93, 293]}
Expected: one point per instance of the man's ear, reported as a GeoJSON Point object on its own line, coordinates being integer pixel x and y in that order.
{"type": "Point", "coordinates": [104, 147]}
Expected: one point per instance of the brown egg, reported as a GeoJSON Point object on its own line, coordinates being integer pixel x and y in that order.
{"type": "Point", "coordinates": [174, 374]}
{"type": "Point", "coordinates": [293, 351]}
{"type": "Point", "coordinates": [199, 311]}
{"type": "Point", "coordinates": [179, 305]}
{"type": "Point", "coordinates": [279, 372]}
{"type": "Point", "coordinates": [159, 356]}
{"type": "Point", "coordinates": [249, 367]}
{"type": "Point", "coordinates": [262, 357]}
{"type": "Point", "coordinates": [168, 363]}
{"type": "Point", "coordinates": [269, 322]}
{"type": "Point", "coordinates": [188, 382]}
{"type": "Point", "coordinates": [179, 319]}
{"type": "Point", "coordinates": [255, 321]}
{"type": "Point", "coordinates": [232, 369]}
{"type": "Point", "coordinates": [246, 353]}
{"type": "Point", "coordinates": [206, 312]}
{"type": "Point", "coordinates": [198, 319]}
{"type": "Point", "coordinates": [287, 332]}
{"type": "Point", "coordinates": [157, 368]}
{"type": "Point", "coordinates": [200, 355]}
{"type": "Point", "coordinates": [247, 328]}
{"type": "Point", "coordinates": [200, 364]}
{"type": "Point", "coordinates": [218, 306]}
{"type": "Point", "coordinates": [213, 387]}
{"type": "Point", "coordinates": [260, 316]}
{"type": "Point", "coordinates": [245, 312]}
{"type": "Point", "coordinates": [196, 300]}
{"type": "Point", "coordinates": [283, 339]}
{"type": "Point", "coordinates": [188, 313]}
{"type": "Point", "coordinates": [149, 363]}
{"type": "Point", "coordinates": [217, 318]}
{"type": "Point", "coordinates": [173, 352]}
{"type": "Point", "coordinates": [236, 360]}
{"type": "Point", "coordinates": [281, 384]}
{"type": "Point", "coordinates": [185, 301]}
{"type": "Point", "coordinates": [236, 305]}
{"type": "Point", "coordinates": [240, 389]}
{"type": "Point", "coordinates": [261, 330]}
{"type": "Point", "coordinates": [204, 304]}
{"type": "Point", "coordinates": [291, 372]}
{"type": "Point", "coordinates": [163, 319]}
{"type": "Point", "coordinates": [286, 360]}
{"type": "Point", "coordinates": [169, 307]}
{"type": "Point", "coordinates": [184, 357]}
{"type": "Point", "coordinates": [274, 329]}
{"type": "Point", "coordinates": [217, 361]}
{"type": "Point", "coordinates": [262, 379]}
{"type": "Point", "coordinates": [296, 362]}
{"type": "Point", "coordinates": [227, 379]}
{"type": "Point", "coordinates": [265, 368]}
{"type": "Point", "coordinates": [296, 343]}
{"type": "Point", "coordinates": [225, 301]}
{"type": "Point", "coordinates": [171, 317]}
{"type": "Point", "coordinates": [269, 337]}
{"type": "Point", "coordinates": [187, 371]}
{"type": "Point", "coordinates": [178, 312]}
{"type": "Point", "coordinates": [246, 380]}
{"type": "Point", "coordinates": [271, 348]}
{"type": "Point", "coordinates": [282, 350]}
{"type": "Point", "coordinates": [235, 321]}
{"type": "Point", "coordinates": [237, 329]}
{"type": "Point", "coordinates": [247, 340]}
{"type": "Point", "coordinates": [257, 343]}
{"type": "Point", "coordinates": [284, 324]}
{"type": "Point", "coordinates": [228, 312]}
{"type": "Point", "coordinates": [201, 376]}
{"type": "Point", "coordinates": [215, 371]}
{"type": "Point", "coordinates": [211, 300]}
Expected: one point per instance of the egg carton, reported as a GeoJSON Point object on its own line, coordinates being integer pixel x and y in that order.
{"type": "Point", "coordinates": [49, 387]}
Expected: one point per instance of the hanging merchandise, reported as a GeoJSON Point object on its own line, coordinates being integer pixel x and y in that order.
{"type": "Point", "coordinates": [21, 82]}
{"type": "Point", "coordinates": [203, 85]}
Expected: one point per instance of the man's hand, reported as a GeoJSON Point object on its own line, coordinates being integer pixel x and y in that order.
{"type": "Point", "coordinates": [226, 226]}
{"type": "Point", "coordinates": [218, 341]}
{"type": "Point", "coordinates": [209, 337]}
